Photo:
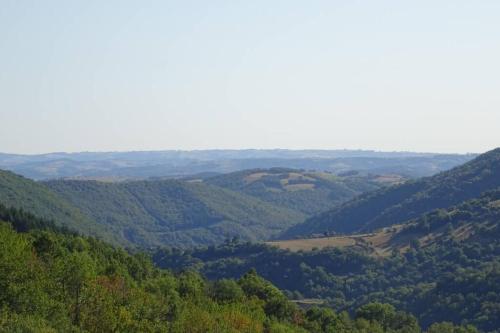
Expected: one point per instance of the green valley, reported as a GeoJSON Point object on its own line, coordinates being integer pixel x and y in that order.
{"type": "Point", "coordinates": [180, 213]}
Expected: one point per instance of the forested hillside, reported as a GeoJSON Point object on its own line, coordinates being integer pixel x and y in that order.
{"type": "Point", "coordinates": [180, 213]}
{"type": "Point", "coordinates": [24, 193]}
{"type": "Point", "coordinates": [309, 192]}
{"type": "Point", "coordinates": [148, 213]}
{"type": "Point", "coordinates": [55, 281]}
{"type": "Point", "coordinates": [444, 266]}
{"type": "Point", "coordinates": [400, 203]}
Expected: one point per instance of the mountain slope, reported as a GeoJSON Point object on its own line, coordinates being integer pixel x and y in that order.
{"type": "Point", "coordinates": [177, 213]}
{"type": "Point", "coordinates": [399, 203]}
{"type": "Point", "coordinates": [308, 192]}
{"type": "Point", "coordinates": [19, 192]}
{"type": "Point", "coordinates": [444, 265]}
{"type": "Point", "coordinates": [476, 220]}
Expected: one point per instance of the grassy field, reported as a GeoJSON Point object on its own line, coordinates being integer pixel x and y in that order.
{"type": "Point", "coordinates": [377, 243]}
{"type": "Point", "coordinates": [380, 243]}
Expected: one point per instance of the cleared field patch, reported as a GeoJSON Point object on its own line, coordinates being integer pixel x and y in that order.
{"type": "Point", "coordinates": [255, 176]}
{"type": "Point", "coordinates": [307, 303]}
{"type": "Point", "coordinates": [377, 244]}
{"type": "Point", "coordinates": [495, 204]}
{"type": "Point", "coordinates": [307, 244]}
{"type": "Point", "coordinates": [390, 179]}
{"type": "Point", "coordinates": [293, 178]}
{"type": "Point", "coordinates": [298, 187]}
{"type": "Point", "coordinates": [197, 180]}
{"type": "Point", "coordinates": [325, 176]}
{"type": "Point", "coordinates": [295, 175]}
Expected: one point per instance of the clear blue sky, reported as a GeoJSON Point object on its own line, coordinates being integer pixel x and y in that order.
{"type": "Point", "coordinates": [149, 75]}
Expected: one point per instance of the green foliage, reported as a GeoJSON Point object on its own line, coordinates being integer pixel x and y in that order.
{"type": "Point", "coordinates": [180, 213]}
{"type": "Point", "coordinates": [147, 213]}
{"type": "Point", "coordinates": [226, 291]}
{"type": "Point", "coordinates": [403, 202]}
{"type": "Point", "coordinates": [63, 282]}
{"type": "Point", "coordinates": [18, 323]}
{"type": "Point", "coordinates": [388, 318]}
{"type": "Point", "coordinates": [454, 277]}
{"type": "Point", "coordinates": [29, 196]}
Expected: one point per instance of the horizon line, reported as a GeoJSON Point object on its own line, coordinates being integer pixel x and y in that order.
{"type": "Point", "coordinates": [241, 149]}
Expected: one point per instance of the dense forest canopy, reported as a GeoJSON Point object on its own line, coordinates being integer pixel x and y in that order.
{"type": "Point", "coordinates": [35, 197]}
{"type": "Point", "coordinates": [444, 266]}
{"type": "Point", "coordinates": [148, 213]}
{"type": "Point", "coordinates": [53, 280]}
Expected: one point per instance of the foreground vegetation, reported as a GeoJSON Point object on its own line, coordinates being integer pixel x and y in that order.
{"type": "Point", "coordinates": [444, 266]}
{"type": "Point", "coordinates": [53, 280]}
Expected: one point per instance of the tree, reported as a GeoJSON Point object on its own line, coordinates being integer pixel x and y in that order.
{"type": "Point", "coordinates": [75, 272]}
{"type": "Point", "coordinates": [226, 291]}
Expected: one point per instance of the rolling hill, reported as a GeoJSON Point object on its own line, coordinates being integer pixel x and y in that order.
{"type": "Point", "coordinates": [19, 192]}
{"type": "Point", "coordinates": [306, 191]}
{"type": "Point", "coordinates": [148, 213]}
{"type": "Point", "coordinates": [399, 203]}
{"type": "Point", "coordinates": [173, 212]}
{"type": "Point", "coordinates": [175, 163]}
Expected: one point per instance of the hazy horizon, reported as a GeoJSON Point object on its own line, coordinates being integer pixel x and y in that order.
{"type": "Point", "coordinates": [243, 149]}
{"type": "Point", "coordinates": [195, 75]}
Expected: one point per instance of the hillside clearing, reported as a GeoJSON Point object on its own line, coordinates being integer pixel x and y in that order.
{"type": "Point", "coordinates": [377, 243]}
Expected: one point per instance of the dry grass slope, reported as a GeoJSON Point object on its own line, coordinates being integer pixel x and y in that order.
{"type": "Point", "coordinates": [378, 244]}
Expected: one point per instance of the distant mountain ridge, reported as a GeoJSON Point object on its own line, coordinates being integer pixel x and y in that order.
{"type": "Point", "coordinates": [400, 203]}
{"type": "Point", "coordinates": [154, 164]}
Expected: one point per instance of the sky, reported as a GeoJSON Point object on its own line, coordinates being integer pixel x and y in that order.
{"type": "Point", "coordinates": [152, 75]}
